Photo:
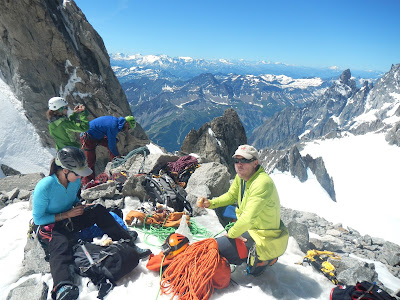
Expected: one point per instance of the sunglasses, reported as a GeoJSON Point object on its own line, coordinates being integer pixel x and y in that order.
{"type": "Point", "coordinates": [77, 175]}
{"type": "Point", "coordinates": [61, 109]}
{"type": "Point", "coordinates": [243, 160]}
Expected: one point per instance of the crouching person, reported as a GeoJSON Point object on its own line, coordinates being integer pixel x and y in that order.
{"type": "Point", "coordinates": [258, 236]}
{"type": "Point", "coordinates": [59, 216]}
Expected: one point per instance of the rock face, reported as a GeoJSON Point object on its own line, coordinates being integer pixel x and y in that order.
{"type": "Point", "coordinates": [217, 140]}
{"type": "Point", "coordinates": [291, 161]}
{"type": "Point", "coordinates": [51, 50]}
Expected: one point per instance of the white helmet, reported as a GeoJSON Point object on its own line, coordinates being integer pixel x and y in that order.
{"type": "Point", "coordinates": [57, 102]}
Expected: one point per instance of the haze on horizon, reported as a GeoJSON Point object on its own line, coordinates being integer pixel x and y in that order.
{"type": "Point", "coordinates": [360, 34]}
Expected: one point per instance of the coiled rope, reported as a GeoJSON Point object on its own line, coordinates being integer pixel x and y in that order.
{"type": "Point", "coordinates": [117, 161]}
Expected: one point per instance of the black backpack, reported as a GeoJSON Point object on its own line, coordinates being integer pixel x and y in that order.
{"type": "Point", "coordinates": [362, 290]}
{"type": "Point", "coordinates": [105, 265]}
{"type": "Point", "coordinates": [164, 190]}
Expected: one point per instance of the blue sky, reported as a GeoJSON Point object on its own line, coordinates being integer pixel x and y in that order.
{"type": "Point", "coordinates": [355, 34]}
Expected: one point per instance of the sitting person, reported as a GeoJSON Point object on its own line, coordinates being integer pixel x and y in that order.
{"type": "Point", "coordinates": [63, 126]}
{"type": "Point", "coordinates": [59, 216]}
{"type": "Point", "coordinates": [257, 214]}
{"type": "Point", "coordinates": [103, 131]}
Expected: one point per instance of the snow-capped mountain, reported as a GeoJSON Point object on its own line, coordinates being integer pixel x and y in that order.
{"type": "Point", "coordinates": [342, 109]}
{"type": "Point", "coordinates": [128, 67]}
{"type": "Point", "coordinates": [168, 110]}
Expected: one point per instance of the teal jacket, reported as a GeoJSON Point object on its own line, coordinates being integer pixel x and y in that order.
{"type": "Point", "coordinates": [258, 213]}
{"type": "Point", "coordinates": [50, 197]}
{"type": "Point", "coordinates": [63, 129]}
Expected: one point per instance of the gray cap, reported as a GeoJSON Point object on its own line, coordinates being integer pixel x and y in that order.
{"type": "Point", "coordinates": [247, 152]}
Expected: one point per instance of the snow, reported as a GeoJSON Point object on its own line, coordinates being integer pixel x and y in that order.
{"type": "Point", "coordinates": [20, 146]}
{"type": "Point", "coordinates": [364, 169]}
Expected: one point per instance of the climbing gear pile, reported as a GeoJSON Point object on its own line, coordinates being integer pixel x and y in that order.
{"type": "Point", "coordinates": [318, 259]}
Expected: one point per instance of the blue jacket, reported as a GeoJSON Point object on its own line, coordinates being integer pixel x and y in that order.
{"type": "Point", "coordinates": [107, 126]}
{"type": "Point", "coordinates": [50, 197]}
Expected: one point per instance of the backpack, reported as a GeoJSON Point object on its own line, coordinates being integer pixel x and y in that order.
{"type": "Point", "coordinates": [363, 290]}
{"type": "Point", "coordinates": [104, 265]}
{"type": "Point", "coordinates": [164, 190]}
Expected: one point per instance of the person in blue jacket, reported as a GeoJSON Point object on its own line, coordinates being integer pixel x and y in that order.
{"type": "Point", "coordinates": [58, 216]}
{"type": "Point", "coordinates": [103, 131]}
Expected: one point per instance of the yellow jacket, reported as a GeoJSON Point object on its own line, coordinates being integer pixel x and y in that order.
{"type": "Point", "coordinates": [258, 213]}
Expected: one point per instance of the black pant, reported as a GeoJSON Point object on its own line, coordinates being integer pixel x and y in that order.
{"type": "Point", "coordinates": [60, 239]}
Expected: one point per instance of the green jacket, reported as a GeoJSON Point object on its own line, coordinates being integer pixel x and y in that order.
{"type": "Point", "coordinates": [63, 129]}
{"type": "Point", "coordinates": [258, 213]}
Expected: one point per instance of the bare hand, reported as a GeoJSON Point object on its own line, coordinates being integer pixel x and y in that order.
{"type": "Point", "coordinates": [79, 108]}
{"type": "Point", "coordinates": [75, 211]}
{"type": "Point", "coordinates": [203, 202]}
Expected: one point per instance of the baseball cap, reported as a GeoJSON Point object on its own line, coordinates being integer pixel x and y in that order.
{"type": "Point", "coordinates": [247, 152]}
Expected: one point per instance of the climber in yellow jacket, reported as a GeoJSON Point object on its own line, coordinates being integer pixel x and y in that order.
{"type": "Point", "coordinates": [257, 215]}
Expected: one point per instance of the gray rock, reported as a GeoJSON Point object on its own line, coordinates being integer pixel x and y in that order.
{"type": "Point", "coordinates": [35, 289]}
{"type": "Point", "coordinates": [105, 190]}
{"type": "Point", "coordinates": [217, 140]}
{"type": "Point", "coordinates": [213, 175]}
{"type": "Point", "coordinates": [8, 171]}
{"type": "Point", "coordinates": [133, 187]}
{"type": "Point", "coordinates": [34, 259]}
{"type": "Point", "coordinates": [390, 254]}
{"type": "Point", "coordinates": [333, 232]}
{"type": "Point", "coordinates": [300, 234]}
{"type": "Point", "coordinates": [24, 181]}
{"type": "Point", "coordinates": [24, 194]}
{"type": "Point", "coordinates": [350, 270]}
{"type": "Point", "coordinates": [11, 195]}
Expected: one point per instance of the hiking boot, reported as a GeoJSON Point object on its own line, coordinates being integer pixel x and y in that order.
{"type": "Point", "coordinates": [260, 266]}
{"type": "Point", "coordinates": [67, 292]}
{"type": "Point", "coordinates": [143, 253]}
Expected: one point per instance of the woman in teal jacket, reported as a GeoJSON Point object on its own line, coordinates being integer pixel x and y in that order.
{"type": "Point", "coordinates": [58, 217]}
{"type": "Point", "coordinates": [63, 127]}
{"type": "Point", "coordinates": [257, 212]}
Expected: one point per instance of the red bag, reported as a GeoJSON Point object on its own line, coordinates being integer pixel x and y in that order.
{"type": "Point", "coordinates": [222, 275]}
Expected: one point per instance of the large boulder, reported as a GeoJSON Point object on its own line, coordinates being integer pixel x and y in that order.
{"type": "Point", "coordinates": [217, 140]}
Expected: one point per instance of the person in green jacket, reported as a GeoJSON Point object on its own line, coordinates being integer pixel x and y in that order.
{"type": "Point", "coordinates": [258, 235]}
{"type": "Point", "coordinates": [63, 123]}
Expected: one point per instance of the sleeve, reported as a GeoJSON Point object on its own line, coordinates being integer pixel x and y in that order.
{"type": "Point", "coordinates": [40, 202]}
{"type": "Point", "coordinates": [76, 126]}
{"type": "Point", "coordinates": [257, 197]}
{"type": "Point", "coordinates": [112, 141]}
{"type": "Point", "coordinates": [230, 197]}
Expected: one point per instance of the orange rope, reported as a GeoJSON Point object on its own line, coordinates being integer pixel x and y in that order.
{"type": "Point", "coordinates": [189, 275]}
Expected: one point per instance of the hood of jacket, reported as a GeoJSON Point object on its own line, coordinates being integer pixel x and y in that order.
{"type": "Point", "coordinates": [121, 123]}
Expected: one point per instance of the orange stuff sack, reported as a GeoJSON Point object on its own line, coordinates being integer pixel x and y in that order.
{"type": "Point", "coordinates": [154, 262]}
{"type": "Point", "coordinates": [222, 275]}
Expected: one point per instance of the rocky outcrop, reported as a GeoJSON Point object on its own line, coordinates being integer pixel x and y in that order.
{"type": "Point", "coordinates": [342, 241]}
{"type": "Point", "coordinates": [313, 120]}
{"type": "Point", "coordinates": [51, 50]}
{"type": "Point", "coordinates": [290, 160]}
{"type": "Point", "coordinates": [217, 140]}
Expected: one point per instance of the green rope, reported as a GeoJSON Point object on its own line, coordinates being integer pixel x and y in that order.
{"type": "Point", "coordinates": [117, 161]}
{"type": "Point", "coordinates": [227, 227]}
{"type": "Point", "coordinates": [198, 232]}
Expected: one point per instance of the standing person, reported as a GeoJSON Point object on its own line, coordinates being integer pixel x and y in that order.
{"type": "Point", "coordinates": [59, 216]}
{"type": "Point", "coordinates": [63, 127]}
{"type": "Point", "coordinates": [103, 131]}
{"type": "Point", "coordinates": [257, 215]}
